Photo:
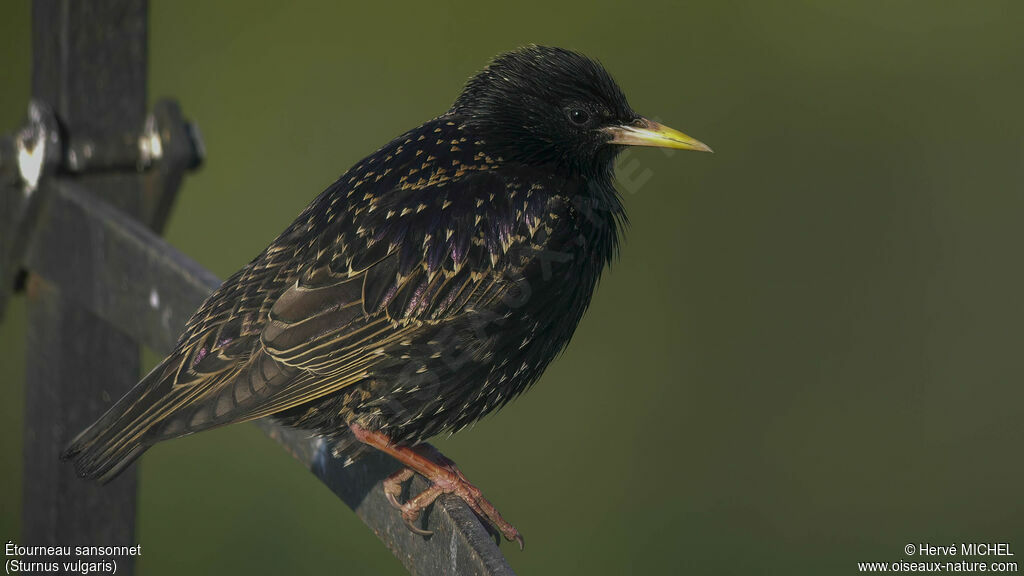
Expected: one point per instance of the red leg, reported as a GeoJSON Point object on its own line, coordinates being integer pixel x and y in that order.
{"type": "Point", "coordinates": [442, 473]}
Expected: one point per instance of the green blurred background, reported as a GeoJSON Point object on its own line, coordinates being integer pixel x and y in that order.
{"type": "Point", "coordinates": [808, 356]}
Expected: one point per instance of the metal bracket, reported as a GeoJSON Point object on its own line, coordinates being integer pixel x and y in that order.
{"type": "Point", "coordinates": [168, 146]}
{"type": "Point", "coordinates": [25, 157]}
{"type": "Point", "coordinates": [164, 148]}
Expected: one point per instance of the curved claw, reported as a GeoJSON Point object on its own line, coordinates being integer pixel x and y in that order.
{"type": "Point", "coordinates": [412, 509]}
{"type": "Point", "coordinates": [508, 531]}
{"type": "Point", "coordinates": [394, 501]}
{"type": "Point", "coordinates": [410, 522]}
{"type": "Point", "coordinates": [393, 486]}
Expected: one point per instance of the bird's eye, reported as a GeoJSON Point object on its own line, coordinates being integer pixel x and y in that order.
{"type": "Point", "coordinates": [579, 116]}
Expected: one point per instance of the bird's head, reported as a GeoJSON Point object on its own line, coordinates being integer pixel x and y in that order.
{"type": "Point", "coordinates": [553, 107]}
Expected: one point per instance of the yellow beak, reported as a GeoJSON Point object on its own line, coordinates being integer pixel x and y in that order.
{"type": "Point", "coordinates": [644, 132]}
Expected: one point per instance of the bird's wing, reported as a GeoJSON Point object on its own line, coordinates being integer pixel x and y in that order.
{"type": "Point", "coordinates": [379, 273]}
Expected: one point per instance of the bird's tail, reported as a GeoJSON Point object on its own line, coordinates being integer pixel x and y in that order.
{"type": "Point", "coordinates": [105, 449]}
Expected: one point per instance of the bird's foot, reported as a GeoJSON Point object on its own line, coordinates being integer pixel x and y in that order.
{"type": "Point", "coordinates": [444, 477]}
{"type": "Point", "coordinates": [413, 507]}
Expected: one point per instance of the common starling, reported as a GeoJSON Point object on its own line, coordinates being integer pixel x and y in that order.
{"type": "Point", "coordinates": [429, 285]}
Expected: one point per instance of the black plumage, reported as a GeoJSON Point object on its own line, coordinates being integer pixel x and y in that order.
{"type": "Point", "coordinates": [428, 286]}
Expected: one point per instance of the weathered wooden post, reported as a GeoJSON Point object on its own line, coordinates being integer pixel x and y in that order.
{"type": "Point", "coordinates": [89, 67]}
